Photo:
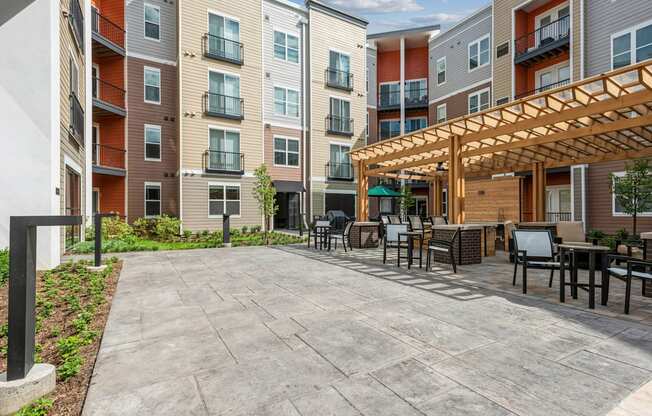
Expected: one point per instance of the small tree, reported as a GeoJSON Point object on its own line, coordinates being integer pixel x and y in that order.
{"type": "Point", "coordinates": [265, 195]}
{"type": "Point", "coordinates": [633, 191]}
{"type": "Point", "coordinates": [406, 202]}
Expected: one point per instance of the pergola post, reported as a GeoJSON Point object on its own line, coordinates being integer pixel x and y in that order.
{"type": "Point", "coordinates": [362, 193]}
{"type": "Point", "coordinates": [538, 192]}
{"type": "Point", "coordinates": [435, 197]}
{"type": "Point", "coordinates": [455, 182]}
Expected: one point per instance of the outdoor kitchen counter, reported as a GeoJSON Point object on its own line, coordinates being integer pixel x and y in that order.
{"type": "Point", "coordinates": [647, 245]}
{"type": "Point", "coordinates": [364, 234]}
{"type": "Point", "coordinates": [467, 247]}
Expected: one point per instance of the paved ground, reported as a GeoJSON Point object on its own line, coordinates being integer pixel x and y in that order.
{"type": "Point", "coordinates": [263, 331]}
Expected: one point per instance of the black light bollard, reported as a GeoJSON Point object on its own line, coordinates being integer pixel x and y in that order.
{"type": "Point", "coordinates": [97, 223]}
{"type": "Point", "coordinates": [226, 230]}
{"type": "Point", "coordinates": [22, 289]}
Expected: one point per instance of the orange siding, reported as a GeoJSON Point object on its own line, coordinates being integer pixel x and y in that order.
{"type": "Point", "coordinates": [416, 63]}
{"type": "Point", "coordinates": [112, 192]}
{"type": "Point", "coordinates": [389, 68]}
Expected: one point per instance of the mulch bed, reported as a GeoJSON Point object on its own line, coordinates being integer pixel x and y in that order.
{"type": "Point", "coordinates": [59, 324]}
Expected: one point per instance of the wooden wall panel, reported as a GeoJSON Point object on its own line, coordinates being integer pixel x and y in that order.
{"type": "Point", "coordinates": [486, 199]}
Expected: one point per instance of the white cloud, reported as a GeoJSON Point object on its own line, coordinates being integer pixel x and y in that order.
{"type": "Point", "coordinates": [377, 6]}
{"type": "Point", "coordinates": [441, 18]}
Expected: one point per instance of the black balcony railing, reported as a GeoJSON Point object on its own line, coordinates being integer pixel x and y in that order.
{"type": "Point", "coordinates": [220, 105]}
{"type": "Point", "coordinates": [417, 97]}
{"type": "Point", "coordinates": [223, 162]}
{"type": "Point", "coordinates": [108, 156]}
{"type": "Point", "coordinates": [542, 37]}
{"type": "Point", "coordinates": [107, 29]}
{"type": "Point", "coordinates": [108, 93]}
{"type": "Point", "coordinates": [339, 125]}
{"type": "Point", "coordinates": [223, 49]}
{"type": "Point", "coordinates": [558, 216]}
{"type": "Point", "coordinates": [76, 18]}
{"type": "Point", "coordinates": [339, 79]}
{"type": "Point", "coordinates": [76, 127]}
{"type": "Point", "coordinates": [543, 88]}
{"type": "Point", "coordinates": [340, 171]}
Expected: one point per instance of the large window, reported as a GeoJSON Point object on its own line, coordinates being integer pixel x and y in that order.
{"type": "Point", "coordinates": [224, 37]}
{"type": "Point", "coordinates": [224, 94]}
{"type": "Point", "coordinates": [390, 94]}
{"type": "Point", "coordinates": [479, 101]}
{"type": "Point", "coordinates": [414, 124]}
{"type": "Point", "coordinates": [152, 199]}
{"type": "Point", "coordinates": [416, 91]}
{"type": "Point", "coordinates": [286, 47]}
{"type": "Point", "coordinates": [286, 102]}
{"type": "Point", "coordinates": [479, 53]}
{"type": "Point", "coordinates": [441, 113]}
{"type": "Point", "coordinates": [223, 199]}
{"type": "Point", "coordinates": [152, 142]}
{"type": "Point", "coordinates": [152, 85]}
{"type": "Point", "coordinates": [441, 70]}
{"type": "Point", "coordinates": [340, 161]}
{"type": "Point", "coordinates": [389, 128]}
{"type": "Point", "coordinates": [152, 22]}
{"type": "Point", "coordinates": [340, 115]}
{"type": "Point", "coordinates": [286, 152]}
{"type": "Point", "coordinates": [224, 149]}
{"type": "Point", "coordinates": [632, 46]}
{"type": "Point", "coordinates": [552, 77]}
{"type": "Point", "coordinates": [339, 68]}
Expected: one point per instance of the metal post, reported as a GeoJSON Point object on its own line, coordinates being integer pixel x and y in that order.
{"type": "Point", "coordinates": [226, 230]}
{"type": "Point", "coordinates": [97, 222]}
{"type": "Point", "coordinates": [22, 289]}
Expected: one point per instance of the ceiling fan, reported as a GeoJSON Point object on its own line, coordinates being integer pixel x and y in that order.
{"type": "Point", "coordinates": [440, 167]}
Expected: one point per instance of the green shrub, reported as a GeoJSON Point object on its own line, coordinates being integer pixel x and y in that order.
{"type": "Point", "coordinates": [40, 407]}
{"type": "Point", "coordinates": [144, 227]}
{"type": "Point", "coordinates": [596, 234]}
{"type": "Point", "coordinates": [245, 229]}
{"type": "Point", "coordinates": [622, 235]}
{"type": "Point", "coordinates": [114, 228]}
{"type": "Point", "coordinates": [167, 228]}
{"type": "Point", "coordinates": [187, 234]}
{"type": "Point", "coordinates": [89, 233]}
{"type": "Point", "coordinates": [256, 229]}
{"type": "Point", "coordinates": [4, 266]}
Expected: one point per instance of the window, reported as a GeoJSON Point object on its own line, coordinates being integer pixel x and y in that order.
{"type": "Point", "coordinates": [286, 152]}
{"type": "Point", "coordinates": [502, 101]}
{"type": "Point", "coordinates": [414, 124]}
{"type": "Point", "coordinates": [635, 42]}
{"type": "Point", "coordinates": [416, 91]}
{"type": "Point", "coordinates": [74, 76]}
{"type": "Point", "coordinates": [441, 70]}
{"type": "Point", "coordinates": [479, 101]}
{"type": "Point", "coordinates": [479, 53]}
{"type": "Point", "coordinates": [224, 94]}
{"type": "Point", "coordinates": [552, 77]}
{"type": "Point", "coordinates": [340, 115]}
{"type": "Point", "coordinates": [286, 102]}
{"type": "Point", "coordinates": [224, 150]}
{"type": "Point", "coordinates": [366, 130]}
{"type": "Point", "coordinates": [152, 22]}
{"type": "Point", "coordinates": [340, 161]}
{"type": "Point", "coordinates": [286, 47]}
{"type": "Point", "coordinates": [152, 85]}
{"type": "Point", "coordinates": [224, 37]}
{"type": "Point", "coordinates": [152, 199]}
{"type": "Point", "coordinates": [618, 211]}
{"type": "Point", "coordinates": [502, 50]}
{"type": "Point", "coordinates": [441, 113]}
{"type": "Point", "coordinates": [223, 199]}
{"type": "Point", "coordinates": [152, 142]}
{"type": "Point", "coordinates": [390, 128]}
{"type": "Point", "coordinates": [339, 68]}
{"type": "Point", "coordinates": [390, 94]}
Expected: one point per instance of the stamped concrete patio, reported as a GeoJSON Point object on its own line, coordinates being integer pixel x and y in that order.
{"type": "Point", "coordinates": [265, 331]}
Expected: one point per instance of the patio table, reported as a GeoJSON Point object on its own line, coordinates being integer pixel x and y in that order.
{"type": "Point", "coordinates": [411, 236]}
{"type": "Point", "coordinates": [574, 285]}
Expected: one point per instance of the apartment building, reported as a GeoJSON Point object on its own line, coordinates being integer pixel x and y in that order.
{"type": "Point", "coordinates": [45, 117]}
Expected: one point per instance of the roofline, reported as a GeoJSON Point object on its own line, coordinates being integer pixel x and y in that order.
{"type": "Point", "coordinates": [393, 33]}
{"type": "Point", "coordinates": [463, 21]}
{"type": "Point", "coordinates": [336, 12]}
{"type": "Point", "coordinates": [290, 5]}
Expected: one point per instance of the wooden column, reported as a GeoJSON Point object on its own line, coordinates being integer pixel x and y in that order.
{"type": "Point", "coordinates": [538, 192]}
{"type": "Point", "coordinates": [362, 193]}
{"type": "Point", "coordinates": [435, 197]}
{"type": "Point", "coordinates": [455, 182]}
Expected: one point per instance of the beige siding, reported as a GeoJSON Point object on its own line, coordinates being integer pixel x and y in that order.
{"type": "Point", "coordinates": [319, 190]}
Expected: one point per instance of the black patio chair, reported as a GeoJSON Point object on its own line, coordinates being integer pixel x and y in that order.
{"type": "Point", "coordinates": [344, 236]}
{"type": "Point", "coordinates": [318, 234]}
{"type": "Point", "coordinates": [442, 246]}
{"type": "Point", "coordinates": [416, 225]}
{"type": "Point", "coordinates": [636, 269]}
{"type": "Point", "coordinates": [534, 249]}
{"type": "Point", "coordinates": [394, 219]}
{"type": "Point", "coordinates": [438, 220]}
{"type": "Point", "coordinates": [394, 240]}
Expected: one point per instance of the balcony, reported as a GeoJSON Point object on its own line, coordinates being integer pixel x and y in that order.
{"type": "Point", "coordinates": [414, 98]}
{"type": "Point", "coordinates": [224, 162]}
{"type": "Point", "coordinates": [108, 99]}
{"type": "Point", "coordinates": [339, 126]}
{"type": "Point", "coordinates": [223, 49]}
{"type": "Point", "coordinates": [108, 37]}
{"type": "Point", "coordinates": [339, 171]}
{"type": "Point", "coordinates": [558, 216]}
{"type": "Point", "coordinates": [108, 160]}
{"type": "Point", "coordinates": [76, 128]}
{"type": "Point", "coordinates": [224, 106]}
{"type": "Point", "coordinates": [76, 20]}
{"type": "Point", "coordinates": [543, 88]}
{"type": "Point", "coordinates": [339, 79]}
{"type": "Point", "coordinates": [547, 41]}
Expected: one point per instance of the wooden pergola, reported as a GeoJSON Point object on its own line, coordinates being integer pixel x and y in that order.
{"type": "Point", "coordinates": [603, 118]}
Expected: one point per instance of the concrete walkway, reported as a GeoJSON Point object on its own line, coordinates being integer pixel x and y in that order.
{"type": "Point", "coordinates": [264, 331]}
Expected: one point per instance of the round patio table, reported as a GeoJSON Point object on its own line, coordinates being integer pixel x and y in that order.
{"type": "Point", "coordinates": [574, 284]}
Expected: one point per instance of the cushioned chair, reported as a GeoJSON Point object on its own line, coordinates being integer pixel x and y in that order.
{"type": "Point", "coordinates": [534, 249]}
{"type": "Point", "coordinates": [393, 240]}
{"type": "Point", "coordinates": [634, 269]}
{"type": "Point", "coordinates": [442, 246]}
{"type": "Point", "coordinates": [344, 236]}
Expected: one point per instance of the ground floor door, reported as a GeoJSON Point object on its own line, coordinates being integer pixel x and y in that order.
{"type": "Point", "coordinates": [287, 216]}
{"type": "Point", "coordinates": [72, 205]}
{"type": "Point", "coordinates": [340, 202]}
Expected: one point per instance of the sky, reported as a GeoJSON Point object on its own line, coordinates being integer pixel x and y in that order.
{"type": "Point", "coordinates": [386, 15]}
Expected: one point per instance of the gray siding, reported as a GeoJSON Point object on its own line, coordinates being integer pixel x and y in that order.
{"type": "Point", "coordinates": [622, 14]}
{"type": "Point", "coordinates": [372, 70]}
{"type": "Point", "coordinates": [166, 49]}
{"type": "Point", "coordinates": [453, 44]}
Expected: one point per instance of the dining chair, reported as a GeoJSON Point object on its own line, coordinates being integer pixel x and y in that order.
{"type": "Point", "coordinates": [534, 249]}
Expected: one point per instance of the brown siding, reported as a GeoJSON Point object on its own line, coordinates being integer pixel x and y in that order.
{"type": "Point", "coordinates": [281, 172]}
{"type": "Point", "coordinates": [487, 199]}
{"type": "Point", "coordinates": [140, 171]}
{"type": "Point", "coordinates": [456, 105]}
{"type": "Point", "coordinates": [373, 125]}
{"type": "Point", "coordinates": [598, 201]}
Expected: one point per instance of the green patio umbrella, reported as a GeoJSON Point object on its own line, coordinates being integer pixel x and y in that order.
{"type": "Point", "coordinates": [383, 192]}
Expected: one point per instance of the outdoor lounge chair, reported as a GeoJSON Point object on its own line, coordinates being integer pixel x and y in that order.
{"type": "Point", "coordinates": [344, 236]}
{"type": "Point", "coordinates": [534, 249]}
{"type": "Point", "coordinates": [392, 240]}
{"type": "Point", "coordinates": [635, 269]}
{"type": "Point", "coordinates": [442, 246]}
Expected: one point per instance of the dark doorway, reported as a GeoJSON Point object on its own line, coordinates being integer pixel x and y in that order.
{"type": "Point", "coordinates": [287, 216]}
{"type": "Point", "coordinates": [341, 202]}
{"type": "Point", "coordinates": [73, 205]}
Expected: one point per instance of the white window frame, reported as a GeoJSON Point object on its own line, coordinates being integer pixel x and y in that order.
{"type": "Point", "coordinates": [145, 6]}
{"type": "Point", "coordinates": [613, 203]}
{"type": "Point", "coordinates": [224, 185]}
{"type": "Point", "coordinates": [438, 120]}
{"type": "Point", "coordinates": [555, 70]}
{"type": "Point", "coordinates": [388, 120]}
{"type": "Point", "coordinates": [298, 152]}
{"type": "Point", "coordinates": [632, 42]}
{"type": "Point", "coordinates": [145, 200]}
{"type": "Point", "coordinates": [157, 70]}
{"type": "Point", "coordinates": [415, 118]}
{"type": "Point", "coordinates": [160, 140]}
{"type": "Point", "coordinates": [550, 12]}
{"type": "Point", "coordinates": [479, 94]}
{"type": "Point", "coordinates": [468, 53]}
{"type": "Point", "coordinates": [285, 102]}
{"type": "Point", "coordinates": [443, 58]}
{"type": "Point", "coordinates": [286, 47]}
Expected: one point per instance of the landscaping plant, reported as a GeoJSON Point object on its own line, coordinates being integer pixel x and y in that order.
{"type": "Point", "coordinates": [633, 190]}
{"type": "Point", "coordinates": [265, 195]}
{"type": "Point", "coordinates": [4, 266]}
{"type": "Point", "coordinates": [406, 201]}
